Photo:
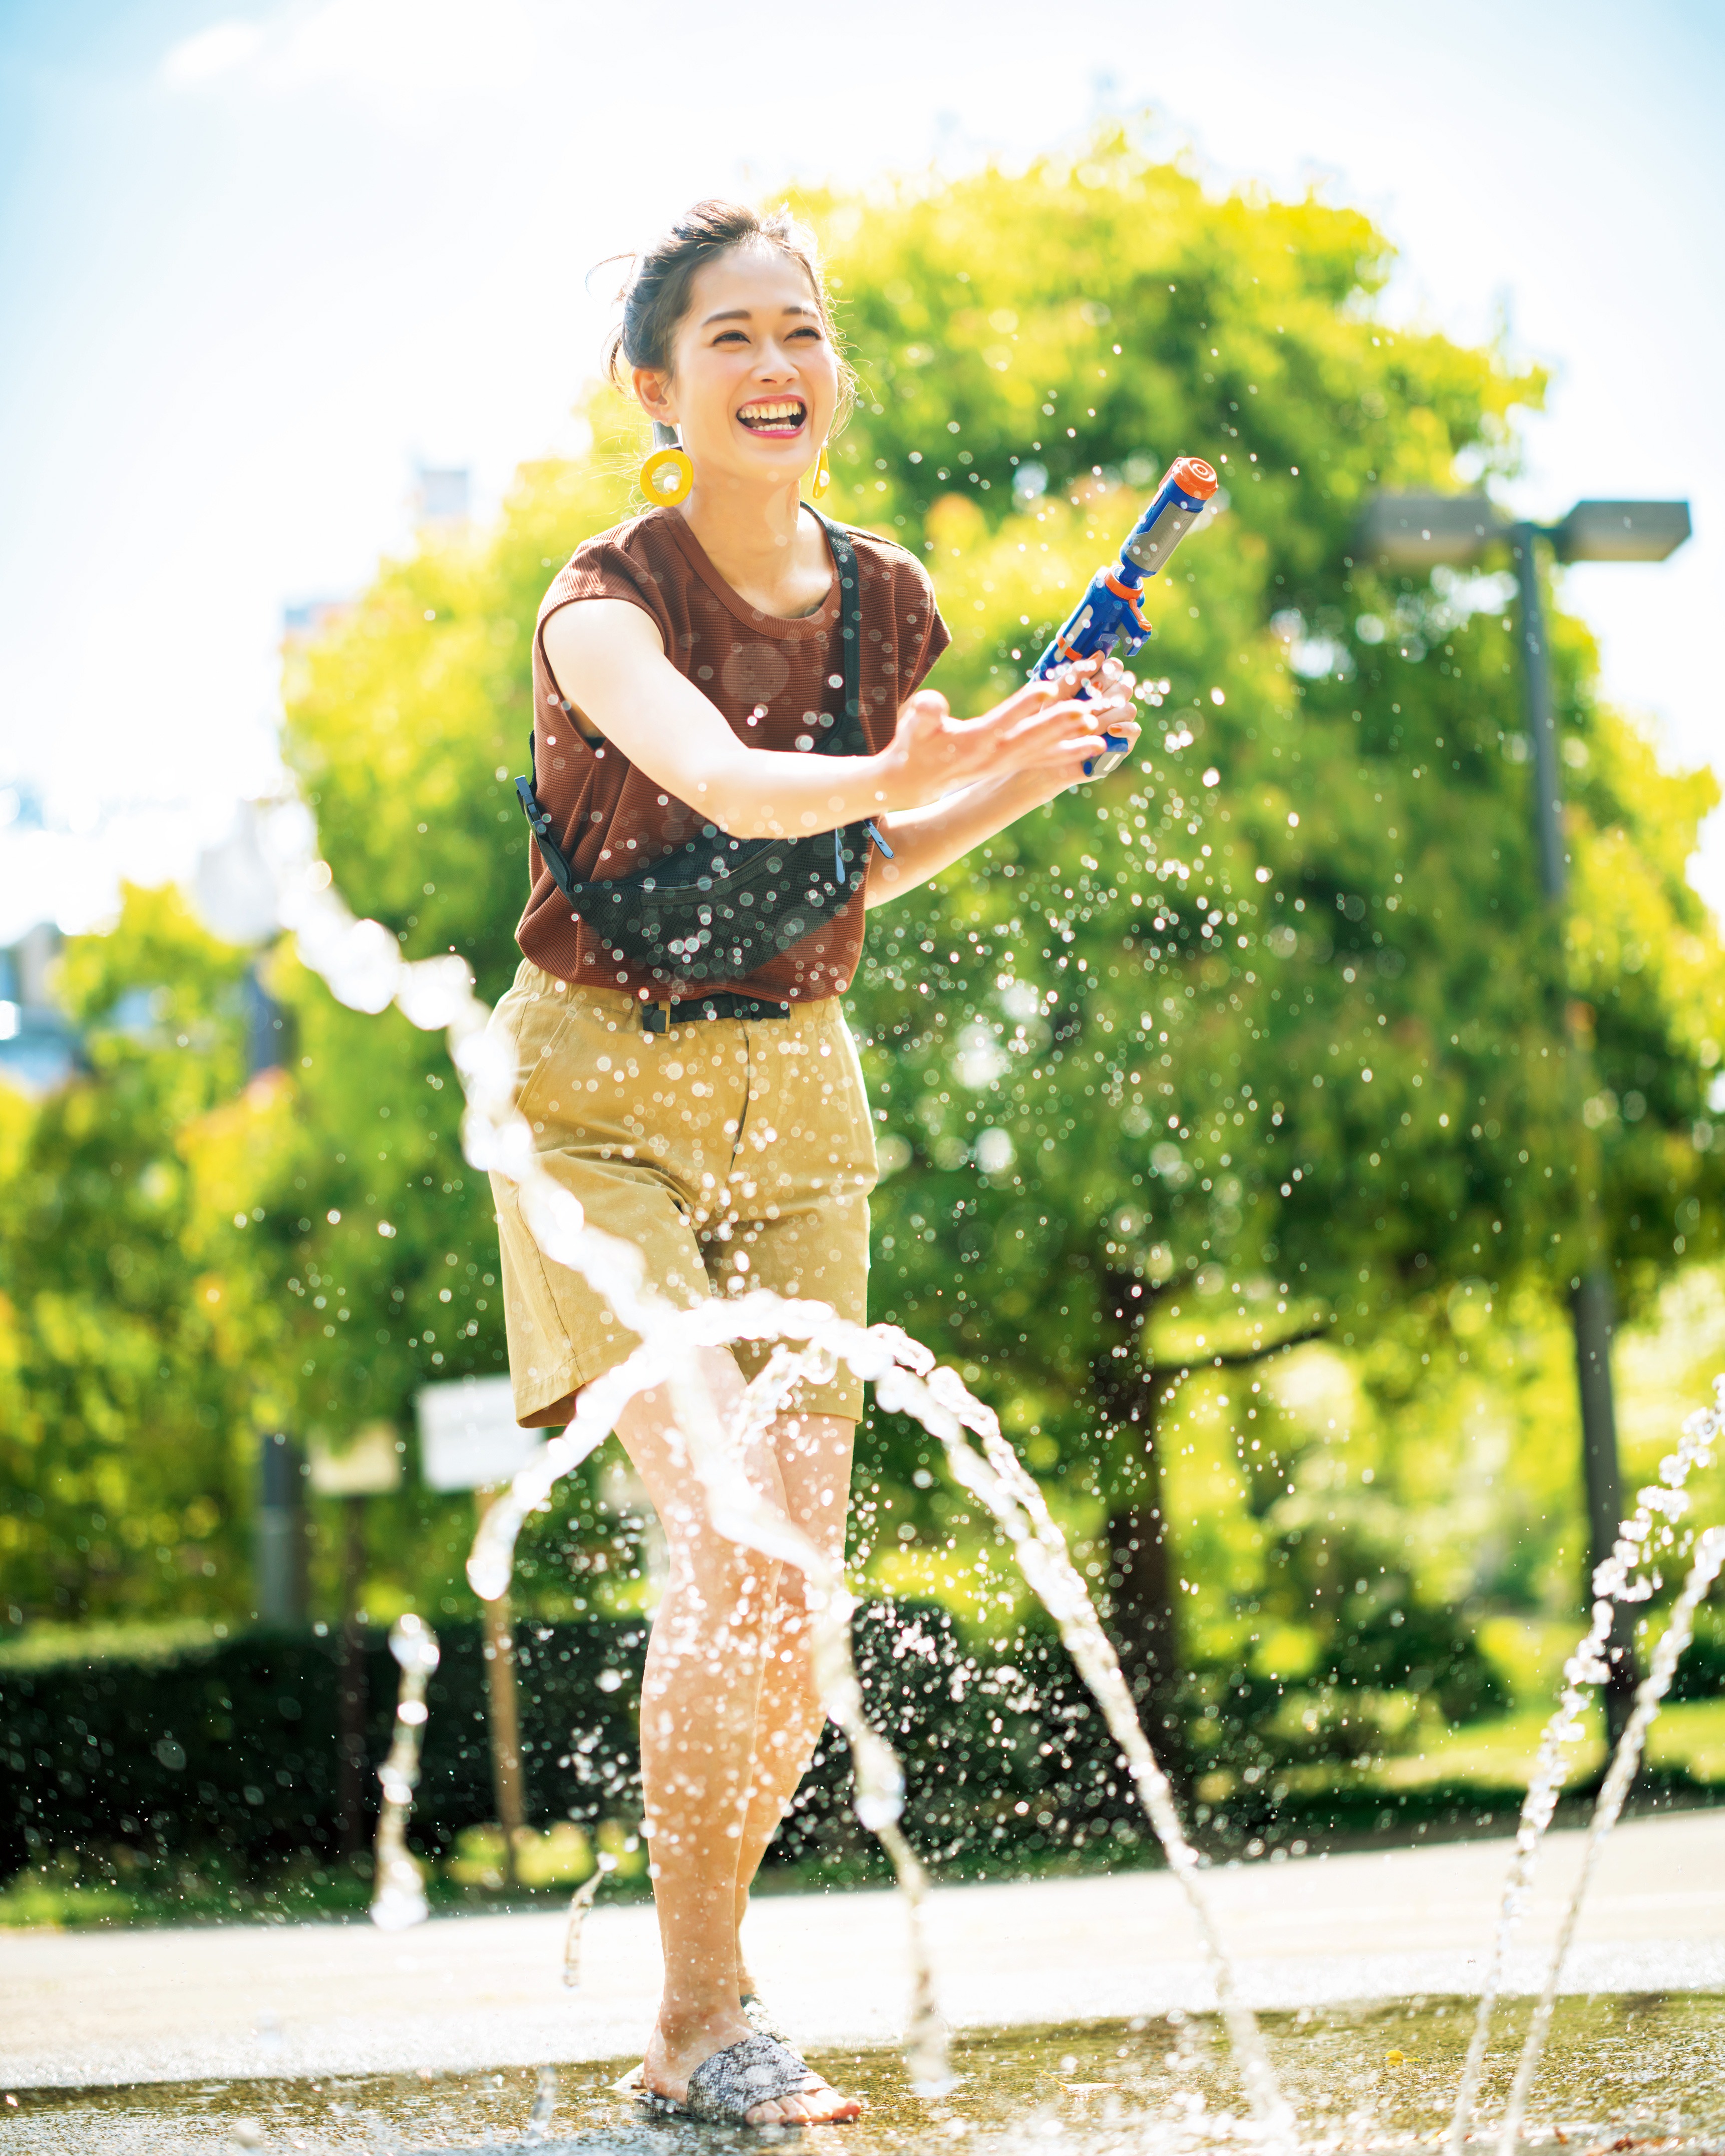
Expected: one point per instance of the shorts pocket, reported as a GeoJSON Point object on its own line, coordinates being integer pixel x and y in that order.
{"type": "Point", "coordinates": [537, 1030]}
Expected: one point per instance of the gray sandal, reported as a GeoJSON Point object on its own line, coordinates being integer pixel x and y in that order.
{"type": "Point", "coordinates": [759, 2017]}
{"type": "Point", "coordinates": [724, 2089]}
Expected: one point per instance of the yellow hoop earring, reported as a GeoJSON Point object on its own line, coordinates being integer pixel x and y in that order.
{"type": "Point", "coordinates": [821, 478]}
{"type": "Point", "coordinates": [667, 475]}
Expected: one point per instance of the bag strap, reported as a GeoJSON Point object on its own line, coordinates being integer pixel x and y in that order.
{"type": "Point", "coordinates": [850, 736]}
{"type": "Point", "coordinates": [847, 738]}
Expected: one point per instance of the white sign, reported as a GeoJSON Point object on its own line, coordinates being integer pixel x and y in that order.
{"type": "Point", "coordinates": [468, 1438]}
{"type": "Point", "coordinates": [366, 1467]}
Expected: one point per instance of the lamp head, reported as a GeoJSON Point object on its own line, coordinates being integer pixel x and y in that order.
{"type": "Point", "coordinates": [1621, 531]}
{"type": "Point", "coordinates": [1418, 530]}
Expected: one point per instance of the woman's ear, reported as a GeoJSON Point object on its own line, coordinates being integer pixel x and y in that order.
{"type": "Point", "coordinates": [652, 391]}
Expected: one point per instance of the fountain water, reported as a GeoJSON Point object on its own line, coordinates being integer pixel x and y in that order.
{"type": "Point", "coordinates": [399, 1898]}
{"type": "Point", "coordinates": [362, 965]}
{"type": "Point", "coordinates": [580, 1901]}
{"type": "Point", "coordinates": [1709, 1557]}
{"type": "Point", "coordinates": [1616, 1581]}
{"type": "Point", "coordinates": [544, 2104]}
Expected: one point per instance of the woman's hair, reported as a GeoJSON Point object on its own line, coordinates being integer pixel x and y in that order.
{"type": "Point", "coordinates": [655, 296]}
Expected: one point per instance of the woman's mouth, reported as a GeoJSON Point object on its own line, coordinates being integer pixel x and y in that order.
{"type": "Point", "coordinates": [780, 419]}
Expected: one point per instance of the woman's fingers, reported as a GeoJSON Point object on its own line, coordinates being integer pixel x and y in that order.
{"type": "Point", "coordinates": [1076, 743]}
{"type": "Point", "coordinates": [1061, 687]}
{"type": "Point", "coordinates": [1068, 720]}
{"type": "Point", "coordinates": [924, 714]}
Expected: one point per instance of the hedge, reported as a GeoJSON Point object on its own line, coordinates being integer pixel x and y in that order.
{"type": "Point", "coordinates": [232, 1747]}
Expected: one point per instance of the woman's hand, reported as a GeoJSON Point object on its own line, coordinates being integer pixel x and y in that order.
{"type": "Point", "coordinates": [1043, 734]}
{"type": "Point", "coordinates": [1041, 739]}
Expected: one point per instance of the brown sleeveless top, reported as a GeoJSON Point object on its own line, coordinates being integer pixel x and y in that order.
{"type": "Point", "coordinates": [767, 676]}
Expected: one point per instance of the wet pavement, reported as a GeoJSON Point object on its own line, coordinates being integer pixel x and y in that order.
{"type": "Point", "coordinates": [467, 1994]}
{"type": "Point", "coordinates": [1638, 2072]}
{"type": "Point", "coordinates": [1082, 2006]}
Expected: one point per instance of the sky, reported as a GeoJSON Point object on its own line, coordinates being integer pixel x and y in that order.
{"type": "Point", "coordinates": [259, 261]}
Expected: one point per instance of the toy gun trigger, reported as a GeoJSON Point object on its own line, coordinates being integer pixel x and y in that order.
{"type": "Point", "coordinates": [1132, 598]}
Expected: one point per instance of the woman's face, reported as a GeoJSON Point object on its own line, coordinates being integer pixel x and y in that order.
{"type": "Point", "coordinates": [755, 380]}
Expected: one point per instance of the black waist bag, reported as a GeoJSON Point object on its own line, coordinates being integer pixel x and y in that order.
{"type": "Point", "coordinates": [720, 907]}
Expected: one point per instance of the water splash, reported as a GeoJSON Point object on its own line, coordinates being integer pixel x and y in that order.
{"type": "Point", "coordinates": [1709, 1558]}
{"type": "Point", "coordinates": [398, 1899]}
{"type": "Point", "coordinates": [1616, 1580]}
{"type": "Point", "coordinates": [363, 967]}
{"type": "Point", "coordinates": [1000, 1479]}
{"type": "Point", "coordinates": [544, 2104]}
{"type": "Point", "coordinates": [580, 1901]}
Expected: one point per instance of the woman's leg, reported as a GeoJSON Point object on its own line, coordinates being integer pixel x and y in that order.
{"type": "Point", "coordinates": [700, 1700]}
{"type": "Point", "coordinates": [814, 1456]}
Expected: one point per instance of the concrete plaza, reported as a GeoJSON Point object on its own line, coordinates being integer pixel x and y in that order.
{"type": "Point", "coordinates": [84, 2009]}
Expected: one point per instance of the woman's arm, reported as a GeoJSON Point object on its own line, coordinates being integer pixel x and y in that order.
{"type": "Point", "coordinates": [609, 663]}
{"type": "Point", "coordinates": [924, 841]}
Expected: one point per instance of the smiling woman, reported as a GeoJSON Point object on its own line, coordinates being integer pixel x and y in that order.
{"type": "Point", "coordinates": [729, 725]}
{"type": "Point", "coordinates": [656, 305]}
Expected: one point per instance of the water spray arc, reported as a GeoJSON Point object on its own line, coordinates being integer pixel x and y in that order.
{"type": "Point", "coordinates": [398, 1899]}
{"type": "Point", "coordinates": [1621, 1580]}
{"type": "Point", "coordinates": [1709, 1558]}
{"type": "Point", "coordinates": [361, 963]}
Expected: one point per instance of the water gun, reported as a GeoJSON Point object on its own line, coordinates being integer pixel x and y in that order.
{"type": "Point", "coordinates": [1110, 617]}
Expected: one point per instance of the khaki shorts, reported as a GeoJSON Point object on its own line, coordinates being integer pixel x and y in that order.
{"type": "Point", "coordinates": [733, 1151]}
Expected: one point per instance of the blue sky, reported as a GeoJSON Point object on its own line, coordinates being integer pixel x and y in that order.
{"type": "Point", "coordinates": [255, 260]}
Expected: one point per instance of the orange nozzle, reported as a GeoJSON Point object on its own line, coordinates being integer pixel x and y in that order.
{"type": "Point", "coordinates": [1134, 599]}
{"type": "Point", "coordinates": [1193, 475]}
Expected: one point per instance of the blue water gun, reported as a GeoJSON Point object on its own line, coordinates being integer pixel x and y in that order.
{"type": "Point", "coordinates": [1110, 617]}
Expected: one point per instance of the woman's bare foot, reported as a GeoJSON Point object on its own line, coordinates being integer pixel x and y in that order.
{"type": "Point", "coordinates": [674, 2054]}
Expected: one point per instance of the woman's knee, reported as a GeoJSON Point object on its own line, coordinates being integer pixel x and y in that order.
{"type": "Point", "coordinates": [791, 1649]}
{"type": "Point", "coordinates": [733, 1584]}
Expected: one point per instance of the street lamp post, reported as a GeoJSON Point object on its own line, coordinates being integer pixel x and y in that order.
{"type": "Point", "coordinates": [279, 1566]}
{"type": "Point", "coordinates": [1411, 530]}
{"type": "Point", "coordinates": [368, 1466]}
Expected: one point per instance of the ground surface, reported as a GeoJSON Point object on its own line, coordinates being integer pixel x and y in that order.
{"type": "Point", "coordinates": [461, 1993]}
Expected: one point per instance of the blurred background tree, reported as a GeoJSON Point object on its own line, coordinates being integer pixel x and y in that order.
{"type": "Point", "coordinates": [1261, 1040]}
{"type": "Point", "coordinates": [135, 1329]}
{"type": "Point", "coordinates": [1270, 1033]}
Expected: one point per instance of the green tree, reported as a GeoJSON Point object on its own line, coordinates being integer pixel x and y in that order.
{"type": "Point", "coordinates": [405, 723]}
{"type": "Point", "coordinates": [135, 1323]}
{"type": "Point", "coordinates": [1124, 1049]}
{"type": "Point", "coordinates": [1164, 996]}
{"type": "Point", "coordinates": [1270, 1032]}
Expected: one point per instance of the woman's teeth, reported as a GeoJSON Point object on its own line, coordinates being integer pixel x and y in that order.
{"type": "Point", "coordinates": [773, 419]}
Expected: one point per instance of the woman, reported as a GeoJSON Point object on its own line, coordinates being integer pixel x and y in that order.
{"type": "Point", "coordinates": [679, 666]}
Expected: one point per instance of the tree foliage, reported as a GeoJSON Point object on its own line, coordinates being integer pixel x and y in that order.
{"type": "Point", "coordinates": [129, 1322]}
{"type": "Point", "coordinates": [1273, 1029]}
{"type": "Point", "coordinates": [1270, 1032]}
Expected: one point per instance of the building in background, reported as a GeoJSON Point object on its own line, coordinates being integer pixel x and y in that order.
{"type": "Point", "coordinates": [307, 619]}
{"type": "Point", "coordinates": [442, 496]}
{"type": "Point", "coordinates": [39, 1047]}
